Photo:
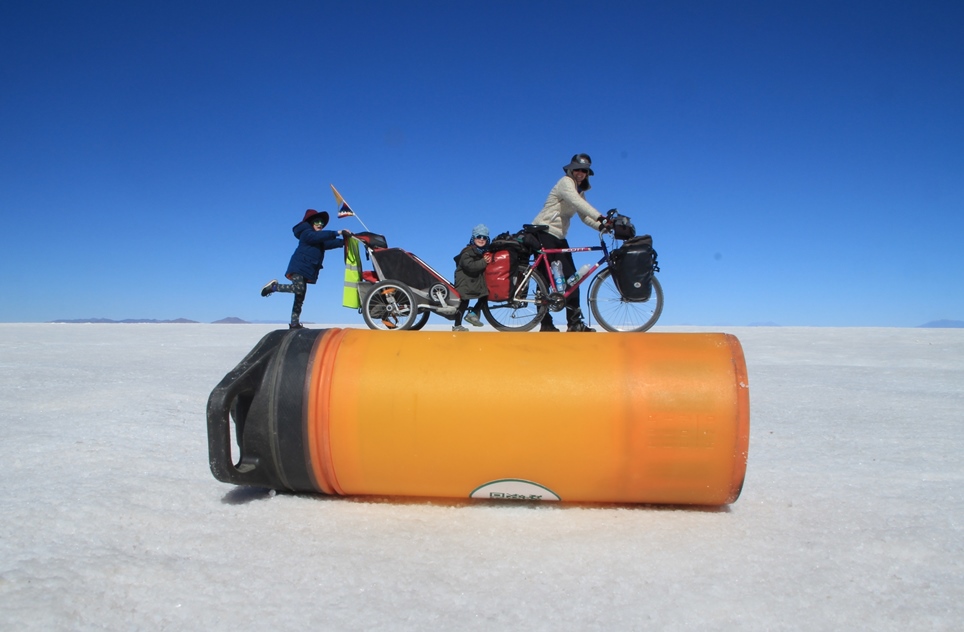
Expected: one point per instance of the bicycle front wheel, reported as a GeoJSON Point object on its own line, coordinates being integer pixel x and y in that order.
{"type": "Point", "coordinates": [614, 313]}
{"type": "Point", "coordinates": [525, 309]}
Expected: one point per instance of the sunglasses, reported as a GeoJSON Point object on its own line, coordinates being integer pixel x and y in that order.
{"type": "Point", "coordinates": [481, 237]}
{"type": "Point", "coordinates": [318, 221]}
{"type": "Point", "coordinates": [581, 170]}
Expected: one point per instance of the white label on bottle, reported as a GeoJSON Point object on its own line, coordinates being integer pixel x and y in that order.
{"type": "Point", "coordinates": [513, 489]}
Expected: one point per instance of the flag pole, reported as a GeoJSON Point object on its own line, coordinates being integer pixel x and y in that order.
{"type": "Point", "coordinates": [343, 209]}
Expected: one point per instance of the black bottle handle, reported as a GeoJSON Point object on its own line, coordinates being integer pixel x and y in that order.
{"type": "Point", "coordinates": [243, 381]}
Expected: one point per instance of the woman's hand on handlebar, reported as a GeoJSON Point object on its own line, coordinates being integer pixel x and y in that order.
{"type": "Point", "coordinates": [606, 221]}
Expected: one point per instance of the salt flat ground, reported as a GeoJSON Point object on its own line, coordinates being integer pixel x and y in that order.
{"type": "Point", "coordinates": [851, 516]}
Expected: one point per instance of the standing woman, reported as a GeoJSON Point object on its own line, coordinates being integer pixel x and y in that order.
{"type": "Point", "coordinates": [566, 200]}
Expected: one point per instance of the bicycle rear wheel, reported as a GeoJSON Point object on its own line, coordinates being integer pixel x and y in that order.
{"type": "Point", "coordinates": [420, 320]}
{"type": "Point", "coordinates": [614, 313]}
{"type": "Point", "coordinates": [523, 313]}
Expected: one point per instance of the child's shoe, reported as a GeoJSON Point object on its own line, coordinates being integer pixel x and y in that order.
{"type": "Point", "coordinates": [473, 319]}
{"type": "Point", "coordinates": [270, 287]}
{"type": "Point", "coordinates": [460, 328]}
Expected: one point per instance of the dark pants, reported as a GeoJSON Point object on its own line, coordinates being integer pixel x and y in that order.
{"type": "Point", "coordinates": [464, 305]}
{"type": "Point", "coordinates": [299, 289]}
{"type": "Point", "coordinates": [573, 313]}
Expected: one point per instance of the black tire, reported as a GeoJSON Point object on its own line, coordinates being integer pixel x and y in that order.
{"type": "Point", "coordinates": [519, 315]}
{"type": "Point", "coordinates": [421, 320]}
{"type": "Point", "coordinates": [614, 313]}
{"type": "Point", "coordinates": [389, 306]}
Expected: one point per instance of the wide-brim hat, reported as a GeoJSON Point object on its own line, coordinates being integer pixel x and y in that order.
{"type": "Point", "coordinates": [579, 163]}
{"type": "Point", "coordinates": [311, 215]}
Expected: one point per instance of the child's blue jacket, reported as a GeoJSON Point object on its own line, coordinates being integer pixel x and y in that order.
{"type": "Point", "coordinates": [310, 253]}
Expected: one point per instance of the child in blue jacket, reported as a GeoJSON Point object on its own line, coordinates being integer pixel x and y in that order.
{"type": "Point", "coordinates": [313, 241]}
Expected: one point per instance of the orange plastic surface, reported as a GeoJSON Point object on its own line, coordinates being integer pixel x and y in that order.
{"type": "Point", "coordinates": [630, 418]}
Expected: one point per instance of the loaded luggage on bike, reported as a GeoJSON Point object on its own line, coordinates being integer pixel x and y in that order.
{"type": "Point", "coordinates": [506, 252]}
{"type": "Point", "coordinates": [510, 258]}
{"type": "Point", "coordinates": [633, 265]}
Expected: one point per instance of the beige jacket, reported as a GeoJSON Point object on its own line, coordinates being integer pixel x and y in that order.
{"type": "Point", "coordinates": [563, 203]}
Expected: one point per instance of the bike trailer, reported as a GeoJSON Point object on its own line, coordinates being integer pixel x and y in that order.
{"type": "Point", "coordinates": [399, 265]}
{"type": "Point", "coordinates": [428, 285]}
{"type": "Point", "coordinates": [633, 265]}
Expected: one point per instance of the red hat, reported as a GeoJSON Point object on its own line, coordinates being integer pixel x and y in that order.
{"type": "Point", "coordinates": [311, 214]}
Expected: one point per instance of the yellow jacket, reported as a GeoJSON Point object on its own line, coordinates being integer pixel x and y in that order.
{"type": "Point", "coordinates": [352, 274]}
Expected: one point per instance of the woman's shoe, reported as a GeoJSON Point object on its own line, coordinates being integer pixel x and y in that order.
{"type": "Point", "coordinates": [580, 327]}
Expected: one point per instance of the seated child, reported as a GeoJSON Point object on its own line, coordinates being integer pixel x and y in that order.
{"type": "Point", "coordinates": [470, 277]}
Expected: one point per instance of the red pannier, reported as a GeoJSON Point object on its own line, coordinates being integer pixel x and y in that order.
{"type": "Point", "coordinates": [498, 275]}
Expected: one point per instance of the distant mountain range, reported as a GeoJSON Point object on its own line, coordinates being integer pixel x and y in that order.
{"type": "Point", "coordinates": [944, 323]}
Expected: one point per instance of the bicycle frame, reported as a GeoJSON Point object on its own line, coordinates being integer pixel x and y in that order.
{"type": "Point", "coordinates": [542, 260]}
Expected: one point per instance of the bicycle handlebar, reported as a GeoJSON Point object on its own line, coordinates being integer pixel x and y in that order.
{"type": "Point", "coordinates": [606, 221]}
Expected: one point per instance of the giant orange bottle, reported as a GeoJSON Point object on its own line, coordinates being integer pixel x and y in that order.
{"type": "Point", "coordinates": [625, 418]}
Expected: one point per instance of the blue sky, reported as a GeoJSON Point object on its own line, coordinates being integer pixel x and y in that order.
{"type": "Point", "coordinates": [799, 163]}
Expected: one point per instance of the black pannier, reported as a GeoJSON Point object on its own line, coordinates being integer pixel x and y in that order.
{"type": "Point", "coordinates": [530, 237]}
{"type": "Point", "coordinates": [524, 243]}
{"type": "Point", "coordinates": [633, 265]}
